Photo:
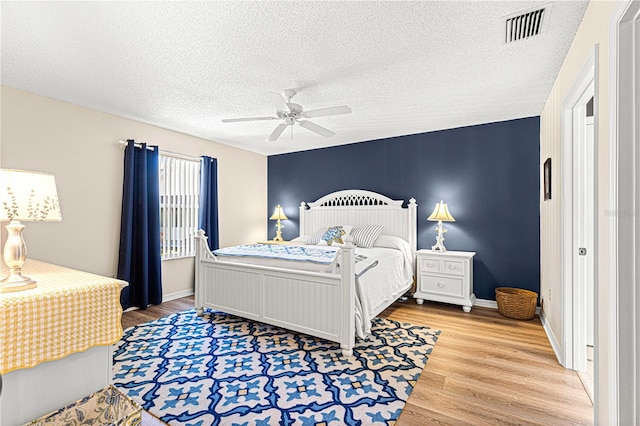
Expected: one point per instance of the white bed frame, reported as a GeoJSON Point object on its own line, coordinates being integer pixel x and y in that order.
{"type": "Point", "coordinates": [318, 304]}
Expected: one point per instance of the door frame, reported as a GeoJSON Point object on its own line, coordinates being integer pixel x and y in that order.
{"type": "Point", "coordinates": [574, 353]}
{"type": "Point", "coordinates": [620, 403]}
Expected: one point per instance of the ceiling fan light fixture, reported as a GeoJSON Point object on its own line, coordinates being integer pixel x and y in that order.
{"type": "Point", "coordinates": [292, 113]}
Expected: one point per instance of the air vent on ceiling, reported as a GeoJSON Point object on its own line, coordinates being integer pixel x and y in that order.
{"type": "Point", "coordinates": [524, 25]}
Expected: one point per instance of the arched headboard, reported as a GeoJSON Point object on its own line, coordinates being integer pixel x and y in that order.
{"type": "Point", "coordinates": [359, 207]}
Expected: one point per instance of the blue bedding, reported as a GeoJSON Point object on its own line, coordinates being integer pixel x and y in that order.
{"type": "Point", "coordinates": [317, 254]}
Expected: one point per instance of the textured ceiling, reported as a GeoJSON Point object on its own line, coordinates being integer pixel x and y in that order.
{"type": "Point", "coordinates": [404, 67]}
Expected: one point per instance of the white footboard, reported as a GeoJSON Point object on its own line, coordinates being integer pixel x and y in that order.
{"type": "Point", "coordinates": [318, 304]}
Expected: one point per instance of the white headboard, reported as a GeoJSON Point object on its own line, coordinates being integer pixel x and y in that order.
{"type": "Point", "coordinates": [358, 207]}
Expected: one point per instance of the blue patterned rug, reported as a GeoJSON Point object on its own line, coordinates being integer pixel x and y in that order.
{"type": "Point", "coordinates": [221, 369]}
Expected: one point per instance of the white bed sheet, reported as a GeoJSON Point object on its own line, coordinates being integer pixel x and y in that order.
{"type": "Point", "coordinates": [391, 275]}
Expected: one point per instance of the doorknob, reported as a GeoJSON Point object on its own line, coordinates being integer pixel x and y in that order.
{"type": "Point", "coordinates": [582, 251]}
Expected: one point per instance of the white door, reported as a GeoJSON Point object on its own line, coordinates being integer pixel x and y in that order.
{"type": "Point", "coordinates": [584, 244]}
{"type": "Point", "coordinates": [585, 223]}
{"type": "Point", "coordinates": [583, 229]}
{"type": "Point", "coordinates": [578, 202]}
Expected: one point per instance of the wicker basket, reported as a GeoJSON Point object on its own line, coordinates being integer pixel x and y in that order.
{"type": "Point", "coordinates": [516, 303]}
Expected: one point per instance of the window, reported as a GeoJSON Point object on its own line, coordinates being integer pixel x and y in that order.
{"type": "Point", "coordinates": [179, 198]}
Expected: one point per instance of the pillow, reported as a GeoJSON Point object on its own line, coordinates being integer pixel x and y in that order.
{"type": "Point", "coordinates": [389, 241]}
{"type": "Point", "coordinates": [317, 236]}
{"type": "Point", "coordinates": [302, 239]}
{"type": "Point", "coordinates": [365, 235]}
{"type": "Point", "coordinates": [334, 234]}
{"type": "Point", "coordinates": [347, 232]}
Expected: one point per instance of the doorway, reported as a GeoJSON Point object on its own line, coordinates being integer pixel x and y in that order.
{"type": "Point", "coordinates": [579, 226]}
{"type": "Point", "coordinates": [584, 227]}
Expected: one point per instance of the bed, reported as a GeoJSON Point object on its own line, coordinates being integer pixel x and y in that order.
{"type": "Point", "coordinates": [322, 303]}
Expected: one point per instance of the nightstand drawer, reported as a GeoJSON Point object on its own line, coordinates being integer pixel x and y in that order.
{"type": "Point", "coordinates": [453, 267]}
{"type": "Point", "coordinates": [429, 265]}
{"type": "Point", "coordinates": [442, 285]}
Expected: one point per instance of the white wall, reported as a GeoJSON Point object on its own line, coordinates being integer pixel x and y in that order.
{"type": "Point", "coordinates": [80, 147]}
{"type": "Point", "coordinates": [594, 29]}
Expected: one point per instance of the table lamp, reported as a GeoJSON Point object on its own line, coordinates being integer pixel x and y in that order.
{"type": "Point", "coordinates": [440, 214]}
{"type": "Point", "coordinates": [28, 196]}
{"type": "Point", "coordinates": [278, 214]}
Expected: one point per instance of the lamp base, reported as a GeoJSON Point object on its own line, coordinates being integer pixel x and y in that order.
{"type": "Point", "coordinates": [15, 281]}
{"type": "Point", "coordinates": [439, 246]}
{"type": "Point", "coordinates": [15, 253]}
{"type": "Point", "coordinates": [278, 237]}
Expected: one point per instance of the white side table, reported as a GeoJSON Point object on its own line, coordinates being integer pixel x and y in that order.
{"type": "Point", "coordinates": [445, 277]}
{"type": "Point", "coordinates": [50, 326]}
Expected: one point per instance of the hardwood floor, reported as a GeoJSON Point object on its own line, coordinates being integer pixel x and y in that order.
{"type": "Point", "coordinates": [131, 318]}
{"type": "Point", "coordinates": [485, 369]}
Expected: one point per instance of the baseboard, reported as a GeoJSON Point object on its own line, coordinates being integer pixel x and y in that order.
{"type": "Point", "coordinates": [177, 295]}
{"type": "Point", "coordinates": [486, 303]}
{"type": "Point", "coordinates": [552, 338]}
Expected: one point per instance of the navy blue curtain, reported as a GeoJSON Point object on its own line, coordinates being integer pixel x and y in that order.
{"type": "Point", "coordinates": [139, 261]}
{"type": "Point", "coordinates": [208, 215]}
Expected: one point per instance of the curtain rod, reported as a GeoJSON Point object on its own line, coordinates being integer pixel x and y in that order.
{"type": "Point", "coordinates": [163, 152]}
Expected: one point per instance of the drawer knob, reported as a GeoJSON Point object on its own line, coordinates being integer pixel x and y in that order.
{"type": "Point", "coordinates": [440, 285]}
{"type": "Point", "coordinates": [430, 265]}
{"type": "Point", "coordinates": [452, 267]}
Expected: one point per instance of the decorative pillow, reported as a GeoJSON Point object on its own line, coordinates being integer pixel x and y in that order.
{"type": "Point", "coordinates": [302, 239]}
{"type": "Point", "coordinates": [317, 236]}
{"type": "Point", "coordinates": [365, 235]}
{"type": "Point", "coordinates": [334, 234]}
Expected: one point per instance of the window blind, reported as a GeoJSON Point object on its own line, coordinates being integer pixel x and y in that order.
{"type": "Point", "coordinates": [179, 198]}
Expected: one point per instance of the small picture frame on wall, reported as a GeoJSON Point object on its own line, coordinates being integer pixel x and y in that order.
{"type": "Point", "coordinates": [547, 179]}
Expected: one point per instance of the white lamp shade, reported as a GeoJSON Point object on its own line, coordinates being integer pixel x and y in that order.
{"type": "Point", "coordinates": [28, 196]}
{"type": "Point", "coordinates": [278, 214]}
{"type": "Point", "coordinates": [441, 212]}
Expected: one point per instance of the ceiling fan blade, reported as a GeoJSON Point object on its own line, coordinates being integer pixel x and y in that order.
{"type": "Point", "coordinates": [327, 111]}
{"type": "Point", "coordinates": [317, 129]}
{"type": "Point", "coordinates": [278, 101]}
{"type": "Point", "coordinates": [277, 132]}
{"type": "Point", "coordinates": [235, 120]}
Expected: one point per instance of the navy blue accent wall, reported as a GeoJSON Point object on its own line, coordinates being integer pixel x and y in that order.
{"type": "Point", "coordinates": [487, 174]}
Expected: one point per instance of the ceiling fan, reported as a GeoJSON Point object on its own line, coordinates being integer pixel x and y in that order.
{"type": "Point", "coordinates": [293, 113]}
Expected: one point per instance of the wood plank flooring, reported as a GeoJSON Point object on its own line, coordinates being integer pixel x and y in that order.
{"type": "Point", "coordinates": [485, 369]}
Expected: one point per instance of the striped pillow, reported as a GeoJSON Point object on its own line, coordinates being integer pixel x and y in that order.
{"type": "Point", "coordinates": [317, 236]}
{"type": "Point", "coordinates": [365, 235]}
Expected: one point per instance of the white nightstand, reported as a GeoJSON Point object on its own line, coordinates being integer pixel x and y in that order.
{"type": "Point", "coordinates": [445, 277]}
